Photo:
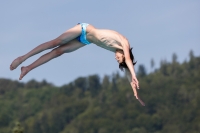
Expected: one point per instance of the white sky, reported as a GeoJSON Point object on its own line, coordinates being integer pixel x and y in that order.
{"type": "Point", "coordinates": [156, 29]}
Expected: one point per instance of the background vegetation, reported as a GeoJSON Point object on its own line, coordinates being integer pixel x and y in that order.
{"type": "Point", "coordinates": [107, 105]}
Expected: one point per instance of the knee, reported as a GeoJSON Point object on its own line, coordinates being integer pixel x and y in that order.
{"type": "Point", "coordinates": [55, 43]}
{"type": "Point", "coordinates": [58, 52]}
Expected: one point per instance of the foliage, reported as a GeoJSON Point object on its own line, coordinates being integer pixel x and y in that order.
{"type": "Point", "coordinates": [92, 105]}
{"type": "Point", "coordinates": [18, 128]}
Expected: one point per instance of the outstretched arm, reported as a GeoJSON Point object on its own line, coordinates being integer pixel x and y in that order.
{"type": "Point", "coordinates": [129, 63]}
{"type": "Point", "coordinates": [128, 74]}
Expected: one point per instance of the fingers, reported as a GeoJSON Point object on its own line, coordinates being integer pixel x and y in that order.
{"type": "Point", "coordinates": [141, 102]}
{"type": "Point", "coordinates": [135, 92]}
{"type": "Point", "coordinates": [137, 97]}
{"type": "Point", "coordinates": [136, 82]}
{"type": "Point", "coordinates": [138, 86]}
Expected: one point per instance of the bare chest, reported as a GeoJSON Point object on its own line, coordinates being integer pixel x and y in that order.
{"type": "Point", "coordinates": [107, 39]}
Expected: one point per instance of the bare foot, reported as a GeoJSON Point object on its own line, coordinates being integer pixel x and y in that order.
{"type": "Point", "coordinates": [16, 63]}
{"type": "Point", "coordinates": [24, 71]}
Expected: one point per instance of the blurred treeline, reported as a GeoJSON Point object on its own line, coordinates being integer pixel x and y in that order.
{"type": "Point", "coordinates": [107, 105]}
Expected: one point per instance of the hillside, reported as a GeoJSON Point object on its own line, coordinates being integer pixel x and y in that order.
{"type": "Point", "coordinates": [94, 105]}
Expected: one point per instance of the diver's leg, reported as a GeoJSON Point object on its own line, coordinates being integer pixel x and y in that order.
{"type": "Point", "coordinates": [62, 39]}
{"type": "Point", "coordinates": [66, 48]}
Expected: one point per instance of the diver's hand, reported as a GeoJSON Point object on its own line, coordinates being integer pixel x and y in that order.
{"type": "Point", "coordinates": [135, 81]}
{"type": "Point", "coordinates": [141, 102]}
{"type": "Point", "coordinates": [136, 94]}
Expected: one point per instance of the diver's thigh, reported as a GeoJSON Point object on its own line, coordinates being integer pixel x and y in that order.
{"type": "Point", "coordinates": [71, 46]}
{"type": "Point", "coordinates": [69, 35]}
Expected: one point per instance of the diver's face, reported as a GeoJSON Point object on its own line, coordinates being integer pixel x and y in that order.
{"type": "Point", "coordinates": [119, 56]}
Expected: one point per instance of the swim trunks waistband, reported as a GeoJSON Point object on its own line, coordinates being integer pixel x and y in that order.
{"type": "Point", "coordinates": [82, 38]}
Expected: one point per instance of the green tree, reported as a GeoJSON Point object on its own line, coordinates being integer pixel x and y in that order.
{"type": "Point", "coordinates": [105, 82]}
{"type": "Point", "coordinates": [141, 71]}
{"type": "Point", "coordinates": [18, 128]}
{"type": "Point", "coordinates": [191, 55]}
{"type": "Point", "coordinates": [171, 95]}
{"type": "Point", "coordinates": [94, 84]}
{"type": "Point", "coordinates": [81, 83]}
{"type": "Point", "coordinates": [152, 64]}
{"type": "Point", "coordinates": [174, 58]}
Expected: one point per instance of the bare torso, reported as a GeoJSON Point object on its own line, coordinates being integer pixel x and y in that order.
{"type": "Point", "coordinates": [108, 39]}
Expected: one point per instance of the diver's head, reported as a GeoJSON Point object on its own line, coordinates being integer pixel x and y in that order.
{"type": "Point", "coordinates": [119, 56]}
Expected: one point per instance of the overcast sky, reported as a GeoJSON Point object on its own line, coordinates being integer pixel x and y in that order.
{"type": "Point", "coordinates": [155, 29]}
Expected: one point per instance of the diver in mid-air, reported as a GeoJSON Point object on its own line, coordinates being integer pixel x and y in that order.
{"type": "Point", "coordinates": [81, 35]}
